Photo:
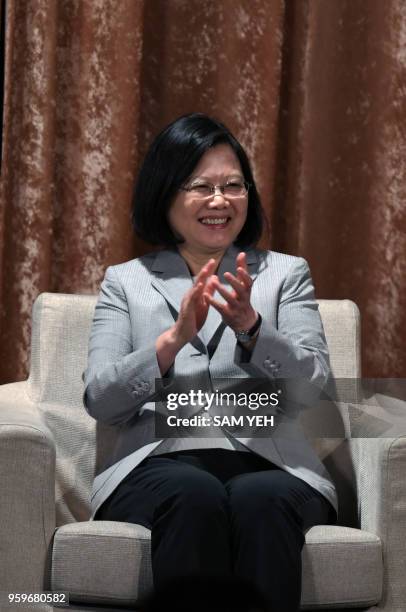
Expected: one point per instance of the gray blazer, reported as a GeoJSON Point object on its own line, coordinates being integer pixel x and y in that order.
{"type": "Point", "coordinates": [140, 299]}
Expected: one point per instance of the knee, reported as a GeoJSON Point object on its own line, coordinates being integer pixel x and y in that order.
{"type": "Point", "coordinates": [200, 493]}
{"type": "Point", "coordinates": [248, 496]}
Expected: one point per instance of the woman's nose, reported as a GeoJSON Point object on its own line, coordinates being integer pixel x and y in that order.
{"type": "Point", "coordinates": [218, 200]}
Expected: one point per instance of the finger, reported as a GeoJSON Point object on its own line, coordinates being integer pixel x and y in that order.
{"type": "Point", "coordinates": [197, 290]}
{"type": "Point", "coordinates": [244, 278]}
{"type": "Point", "coordinates": [206, 271]}
{"type": "Point", "coordinates": [212, 264]}
{"type": "Point", "coordinates": [209, 289]}
{"type": "Point", "coordinates": [236, 284]}
{"type": "Point", "coordinates": [242, 261]}
{"type": "Point", "coordinates": [229, 297]}
{"type": "Point", "coordinates": [221, 308]}
{"type": "Point", "coordinates": [211, 285]}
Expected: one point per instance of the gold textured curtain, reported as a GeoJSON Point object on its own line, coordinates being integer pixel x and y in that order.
{"type": "Point", "coordinates": [314, 89]}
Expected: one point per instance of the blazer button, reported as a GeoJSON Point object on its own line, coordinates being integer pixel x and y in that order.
{"type": "Point", "coordinates": [273, 365]}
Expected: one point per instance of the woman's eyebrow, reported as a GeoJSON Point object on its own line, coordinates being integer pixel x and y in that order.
{"type": "Point", "coordinates": [202, 177]}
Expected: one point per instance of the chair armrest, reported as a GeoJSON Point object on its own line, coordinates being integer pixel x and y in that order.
{"type": "Point", "coordinates": [380, 467]}
{"type": "Point", "coordinates": [27, 484]}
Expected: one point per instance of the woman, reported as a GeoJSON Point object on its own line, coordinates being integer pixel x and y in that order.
{"type": "Point", "coordinates": [209, 305]}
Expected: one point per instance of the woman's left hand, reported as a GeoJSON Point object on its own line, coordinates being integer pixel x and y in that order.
{"type": "Point", "coordinates": [237, 311]}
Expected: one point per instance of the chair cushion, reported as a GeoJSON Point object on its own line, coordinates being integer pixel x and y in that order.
{"type": "Point", "coordinates": [341, 567]}
{"type": "Point", "coordinates": [102, 562]}
{"type": "Point", "coordinates": [109, 562]}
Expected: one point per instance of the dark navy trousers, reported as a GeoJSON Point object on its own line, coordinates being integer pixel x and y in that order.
{"type": "Point", "coordinates": [218, 513]}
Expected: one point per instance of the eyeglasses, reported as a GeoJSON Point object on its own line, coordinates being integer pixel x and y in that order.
{"type": "Point", "coordinates": [232, 189]}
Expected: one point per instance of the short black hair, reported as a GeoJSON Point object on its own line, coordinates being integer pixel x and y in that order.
{"type": "Point", "coordinates": [168, 164]}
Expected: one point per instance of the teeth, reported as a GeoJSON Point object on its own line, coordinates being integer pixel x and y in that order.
{"type": "Point", "coordinates": [214, 221]}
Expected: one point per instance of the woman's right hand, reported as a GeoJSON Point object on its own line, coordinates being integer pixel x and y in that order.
{"type": "Point", "coordinates": [194, 306]}
{"type": "Point", "coordinates": [192, 315]}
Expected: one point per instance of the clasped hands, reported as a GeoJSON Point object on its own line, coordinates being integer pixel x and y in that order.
{"type": "Point", "coordinates": [237, 311]}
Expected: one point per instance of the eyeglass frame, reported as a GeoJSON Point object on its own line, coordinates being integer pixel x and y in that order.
{"type": "Point", "coordinates": [221, 188]}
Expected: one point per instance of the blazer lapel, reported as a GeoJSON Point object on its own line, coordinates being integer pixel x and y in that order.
{"type": "Point", "coordinates": [171, 277]}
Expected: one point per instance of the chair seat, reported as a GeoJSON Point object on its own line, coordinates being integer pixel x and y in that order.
{"type": "Point", "coordinates": [109, 562]}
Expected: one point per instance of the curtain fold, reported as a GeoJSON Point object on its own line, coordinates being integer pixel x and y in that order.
{"type": "Point", "coordinates": [314, 90]}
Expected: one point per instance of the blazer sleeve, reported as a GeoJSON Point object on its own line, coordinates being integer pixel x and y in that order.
{"type": "Point", "coordinates": [118, 380]}
{"type": "Point", "coordinates": [297, 348]}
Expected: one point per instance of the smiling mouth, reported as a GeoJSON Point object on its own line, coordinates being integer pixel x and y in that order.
{"type": "Point", "coordinates": [214, 221]}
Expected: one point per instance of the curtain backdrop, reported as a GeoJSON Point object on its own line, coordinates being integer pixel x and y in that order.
{"type": "Point", "coordinates": [2, 52]}
{"type": "Point", "coordinates": [314, 89]}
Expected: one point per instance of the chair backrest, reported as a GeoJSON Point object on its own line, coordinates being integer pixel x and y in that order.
{"type": "Point", "coordinates": [341, 322]}
{"type": "Point", "coordinates": [60, 331]}
{"type": "Point", "coordinates": [59, 344]}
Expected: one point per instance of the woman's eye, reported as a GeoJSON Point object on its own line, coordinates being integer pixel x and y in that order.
{"type": "Point", "coordinates": [201, 188]}
{"type": "Point", "coordinates": [237, 184]}
{"type": "Point", "coordinates": [234, 187]}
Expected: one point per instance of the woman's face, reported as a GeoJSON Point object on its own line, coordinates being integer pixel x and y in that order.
{"type": "Point", "coordinates": [210, 224]}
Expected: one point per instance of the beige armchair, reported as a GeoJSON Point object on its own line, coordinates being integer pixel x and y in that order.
{"type": "Point", "coordinates": [49, 448]}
